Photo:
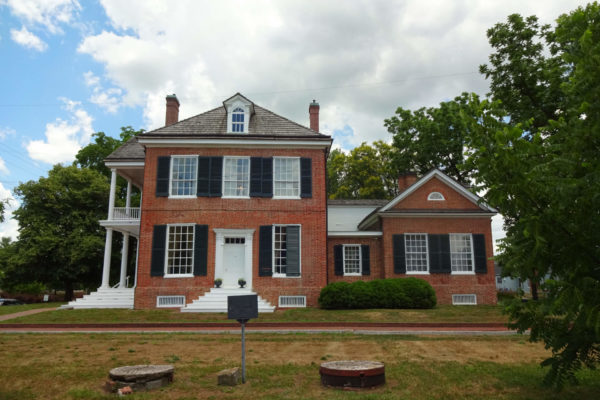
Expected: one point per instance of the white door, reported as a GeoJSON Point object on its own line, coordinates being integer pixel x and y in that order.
{"type": "Point", "coordinates": [233, 262]}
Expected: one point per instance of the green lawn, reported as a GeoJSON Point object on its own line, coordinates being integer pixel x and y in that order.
{"type": "Point", "coordinates": [75, 366]}
{"type": "Point", "coordinates": [442, 313]}
{"type": "Point", "coordinates": [15, 309]}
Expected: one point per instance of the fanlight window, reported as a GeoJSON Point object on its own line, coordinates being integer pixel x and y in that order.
{"type": "Point", "coordinates": [436, 196]}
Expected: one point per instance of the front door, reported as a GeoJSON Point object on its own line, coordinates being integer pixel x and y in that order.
{"type": "Point", "coordinates": [233, 261]}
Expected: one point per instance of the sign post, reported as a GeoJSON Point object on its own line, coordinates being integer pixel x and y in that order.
{"type": "Point", "coordinates": [242, 308]}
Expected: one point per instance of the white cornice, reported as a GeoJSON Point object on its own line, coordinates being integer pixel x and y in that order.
{"type": "Point", "coordinates": [239, 143]}
{"type": "Point", "coordinates": [354, 234]}
{"type": "Point", "coordinates": [401, 214]}
{"type": "Point", "coordinates": [124, 164]}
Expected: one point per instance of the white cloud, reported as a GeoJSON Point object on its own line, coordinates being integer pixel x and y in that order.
{"type": "Point", "coordinates": [49, 14]}
{"type": "Point", "coordinates": [28, 39]}
{"type": "Point", "coordinates": [361, 60]}
{"type": "Point", "coordinates": [10, 227]}
{"type": "Point", "coordinates": [108, 99]}
{"type": "Point", "coordinates": [63, 138]}
{"type": "Point", "coordinates": [3, 169]}
{"type": "Point", "coordinates": [6, 131]}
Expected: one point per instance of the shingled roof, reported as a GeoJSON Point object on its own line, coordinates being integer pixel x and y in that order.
{"type": "Point", "coordinates": [131, 150]}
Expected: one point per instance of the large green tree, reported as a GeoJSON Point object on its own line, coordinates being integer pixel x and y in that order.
{"type": "Point", "coordinates": [366, 172]}
{"type": "Point", "coordinates": [543, 172]}
{"type": "Point", "coordinates": [60, 241]}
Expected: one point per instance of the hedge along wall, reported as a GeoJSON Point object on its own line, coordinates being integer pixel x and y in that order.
{"type": "Point", "coordinates": [379, 293]}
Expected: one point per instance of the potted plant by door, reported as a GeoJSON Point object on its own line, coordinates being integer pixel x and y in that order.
{"type": "Point", "coordinates": [242, 282]}
{"type": "Point", "coordinates": [218, 282]}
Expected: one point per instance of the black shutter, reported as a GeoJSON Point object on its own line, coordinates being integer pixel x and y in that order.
{"type": "Point", "coordinates": [439, 254]}
{"type": "Point", "coordinates": [256, 168]}
{"type": "Point", "coordinates": [265, 251]}
{"type": "Point", "coordinates": [200, 250]}
{"type": "Point", "coordinates": [216, 174]}
{"type": "Point", "coordinates": [338, 259]}
{"type": "Point", "coordinates": [479, 250]}
{"type": "Point", "coordinates": [399, 259]}
{"type": "Point", "coordinates": [163, 171]}
{"type": "Point", "coordinates": [159, 242]}
{"type": "Point", "coordinates": [305, 177]}
{"type": "Point", "coordinates": [203, 176]}
{"type": "Point", "coordinates": [366, 259]}
{"type": "Point", "coordinates": [267, 177]}
{"type": "Point", "coordinates": [293, 251]}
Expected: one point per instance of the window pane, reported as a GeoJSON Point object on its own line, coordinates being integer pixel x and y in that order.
{"type": "Point", "coordinates": [416, 252]}
{"type": "Point", "coordinates": [286, 177]}
{"type": "Point", "coordinates": [236, 173]}
{"type": "Point", "coordinates": [180, 254]}
{"type": "Point", "coordinates": [351, 259]}
{"type": "Point", "coordinates": [183, 176]}
{"type": "Point", "coordinates": [279, 250]}
{"type": "Point", "coordinates": [460, 253]}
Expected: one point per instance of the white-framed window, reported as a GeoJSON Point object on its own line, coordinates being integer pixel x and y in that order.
{"type": "Point", "coordinates": [238, 117]}
{"type": "Point", "coordinates": [279, 249]}
{"type": "Point", "coordinates": [416, 253]}
{"type": "Point", "coordinates": [435, 196]}
{"type": "Point", "coordinates": [180, 250]}
{"type": "Point", "coordinates": [461, 253]}
{"type": "Point", "coordinates": [352, 259]}
{"type": "Point", "coordinates": [236, 177]}
{"type": "Point", "coordinates": [286, 177]}
{"type": "Point", "coordinates": [184, 170]}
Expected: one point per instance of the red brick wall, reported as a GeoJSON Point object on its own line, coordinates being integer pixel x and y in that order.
{"type": "Point", "coordinates": [418, 199]}
{"type": "Point", "coordinates": [375, 253]}
{"type": "Point", "coordinates": [236, 214]}
{"type": "Point", "coordinates": [483, 285]}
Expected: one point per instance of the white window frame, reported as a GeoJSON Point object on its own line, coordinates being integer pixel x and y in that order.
{"type": "Point", "coordinates": [359, 273]}
{"type": "Point", "coordinates": [436, 196]}
{"type": "Point", "coordinates": [452, 266]}
{"type": "Point", "coordinates": [194, 186]}
{"type": "Point", "coordinates": [426, 254]}
{"type": "Point", "coordinates": [275, 196]}
{"type": "Point", "coordinates": [246, 108]}
{"type": "Point", "coordinates": [278, 274]}
{"type": "Point", "coordinates": [226, 196]}
{"type": "Point", "coordinates": [186, 275]}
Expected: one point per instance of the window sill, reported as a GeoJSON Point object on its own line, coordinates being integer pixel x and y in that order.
{"type": "Point", "coordinates": [285, 276]}
{"type": "Point", "coordinates": [463, 273]}
{"type": "Point", "coordinates": [235, 197]}
{"type": "Point", "coordinates": [178, 276]}
{"type": "Point", "coordinates": [191, 196]}
{"type": "Point", "coordinates": [287, 198]}
{"type": "Point", "coordinates": [417, 272]}
{"type": "Point", "coordinates": [345, 274]}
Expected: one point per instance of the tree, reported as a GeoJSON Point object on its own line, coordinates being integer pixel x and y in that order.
{"type": "Point", "coordinates": [434, 137]}
{"type": "Point", "coordinates": [366, 172]}
{"type": "Point", "coordinates": [60, 241]}
{"type": "Point", "coordinates": [545, 178]}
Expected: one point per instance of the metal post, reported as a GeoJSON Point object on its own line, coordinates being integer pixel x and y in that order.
{"type": "Point", "coordinates": [243, 351]}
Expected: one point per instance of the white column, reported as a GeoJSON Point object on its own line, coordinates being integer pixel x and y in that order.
{"type": "Point", "coordinates": [128, 199]}
{"type": "Point", "coordinates": [137, 254]}
{"type": "Point", "coordinates": [113, 189]}
{"type": "Point", "coordinates": [124, 256]}
{"type": "Point", "coordinates": [107, 254]}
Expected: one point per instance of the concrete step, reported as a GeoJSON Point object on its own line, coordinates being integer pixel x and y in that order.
{"type": "Point", "coordinates": [104, 298]}
{"type": "Point", "coordinates": [216, 301]}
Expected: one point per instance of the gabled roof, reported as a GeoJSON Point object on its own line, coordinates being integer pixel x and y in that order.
{"type": "Point", "coordinates": [131, 150]}
{"type": "Point", "coordinates": [435, 173]}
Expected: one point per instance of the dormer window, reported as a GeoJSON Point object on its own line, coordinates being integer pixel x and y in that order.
{"type": "Point", "coordinates": [237, 120]}
{"type": "Point", "coordinates": [436, 196]}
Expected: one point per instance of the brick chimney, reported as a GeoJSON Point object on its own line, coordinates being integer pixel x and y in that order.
{"type": "Point", "coordinates": [172, 110]}
{"type": "Point", "coordinates": [313, 111]}
{"type": "Point", "coordinates": [405, 180]}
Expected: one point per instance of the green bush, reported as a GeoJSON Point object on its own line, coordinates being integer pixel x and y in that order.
{"type": "Point", "coordinates": [379, 293]}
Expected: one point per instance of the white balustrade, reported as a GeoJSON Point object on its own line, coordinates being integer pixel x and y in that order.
{"type": "Point", "coordinates": [126, 213]}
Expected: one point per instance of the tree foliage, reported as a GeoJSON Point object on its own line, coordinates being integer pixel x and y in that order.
{"type": "Point", "coordinates": [366, 172]}
{"type": "Point", "coordinates": [543, 172]}
{"type": "Point", "coordinates": [60, 241]}
{"type": "Point", "coordinates": [434, 137]}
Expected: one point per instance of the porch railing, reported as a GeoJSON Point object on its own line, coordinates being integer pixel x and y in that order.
{"type": "Point", "coordinates": [126, 213]}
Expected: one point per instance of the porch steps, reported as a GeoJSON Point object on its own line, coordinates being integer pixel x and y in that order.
{"type": "Point", "coordinates": [104, 298]}
{"type": "Point", "coordinates": [216, 301]}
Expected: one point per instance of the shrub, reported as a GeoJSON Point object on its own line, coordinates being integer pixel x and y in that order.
{"type": "Point", "coordinates": [379, 293]}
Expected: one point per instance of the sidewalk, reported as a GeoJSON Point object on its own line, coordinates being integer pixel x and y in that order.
{"type": "Point", "coordinates": [24, 313]}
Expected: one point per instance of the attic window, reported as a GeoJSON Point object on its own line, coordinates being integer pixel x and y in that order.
{"type": "Point", "coordinates": [237, 120]}
{"type": "Point", "coordinates": [436, 196]}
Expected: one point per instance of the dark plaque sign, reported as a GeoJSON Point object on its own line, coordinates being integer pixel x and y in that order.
{"type": "Point", "coordinates": [242, 307]}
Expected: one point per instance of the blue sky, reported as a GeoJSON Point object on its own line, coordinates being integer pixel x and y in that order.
{"type": "Point", "coordinates": [70, 68]}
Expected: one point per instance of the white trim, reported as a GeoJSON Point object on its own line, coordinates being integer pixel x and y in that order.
{"type": "Point", "coordinates": [280, 143]}
{"type": "Point", "coordinates": [354, 234]}
{"type": "Point", "coordinates": [430, 196]}
{"type": "Point", "coordinates": [280, 275]}
{"type": "Point", "coordinates": [356, 245]}
{"type": "Point", "coordinates": [117, 164]}
{"type": "Point", "coordinates": [171, 163]}
{"type": "Point", "coordinates": [426, 254]}
{"type": "Point", "coordinates": [436, 214]}
{"type": "Point", "coordinates": [444, 178]}
{"type": "Point", "coordinates": [221, 234]}
{"type": "Point", "coordinates": [275, 197]}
